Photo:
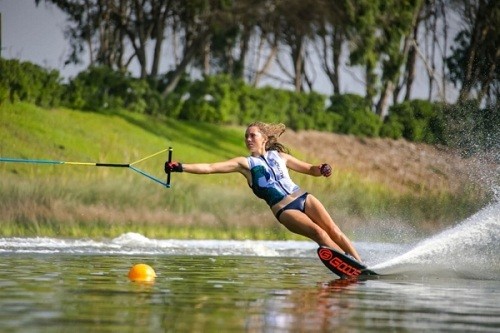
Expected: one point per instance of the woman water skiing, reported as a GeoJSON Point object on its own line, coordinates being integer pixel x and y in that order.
{"type": "Point", "coordinates": [266, 172]}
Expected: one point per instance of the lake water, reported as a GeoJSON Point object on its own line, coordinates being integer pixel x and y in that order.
{"type": "Point", "coordinates": [449, 282]}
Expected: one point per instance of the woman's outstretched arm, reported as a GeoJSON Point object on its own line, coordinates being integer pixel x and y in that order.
{"type": "Point", "coordinates": [306, 168]}
{"type": "Point", "coordinates": [238, 164]}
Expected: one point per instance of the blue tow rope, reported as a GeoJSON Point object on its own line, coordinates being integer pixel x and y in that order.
{"type": "Point", "coordinates": [98, 164]}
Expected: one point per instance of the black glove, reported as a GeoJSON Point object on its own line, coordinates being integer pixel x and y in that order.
{"type": "Point", "coordinates": [325, 169]}
{"type": "Point", "coordinates": [173, 167]}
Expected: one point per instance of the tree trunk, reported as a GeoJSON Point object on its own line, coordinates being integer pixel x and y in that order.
{"type": "Point", "coordinates": [411, 61]}
{"type": "Point", "coordinates": [160, 15]}
{"type": "Point", "coordinates": [267, 64]}
{"type": "Point", "coordinates": [468, 81]}
{"type": "Point", "coordinates": [371, 79]}
{"type": "Point", "coordinates": [412, 72]}
{"type": "Point", "coordinates": [189, 54]}
{"type": "Point", "coordinates": [338, 38]}
{"type": "Point", "coordinates": [410, 53]}
{"type": "Point", "coordinates": [206, 58]}
{"type": "Point", "coordinates": [298, 63]}
{"type": "Point", "coordinates": [383, 103]}
{"type": "Point", "coordinates": [138, 38]}
{"type": "Point", "coordinates": [239, 65]}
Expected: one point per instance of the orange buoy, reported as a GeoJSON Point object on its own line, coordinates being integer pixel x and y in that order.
{"type": "Point", "coordinates": [142, 273]}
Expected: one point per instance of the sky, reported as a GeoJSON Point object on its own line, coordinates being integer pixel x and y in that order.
{"type": "Point", "coordinates": [35, 34]}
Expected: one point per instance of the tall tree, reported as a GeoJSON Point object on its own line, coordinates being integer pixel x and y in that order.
{"type": "Point", "coordinates": [193, 30]}
{"type": "Point", "coordinates": [90, 27]}
{"type": "Point", "coordinates": [331, 27]}
{"type": "Point", "coordinates": [294, 27]}
{"type": "Point", "coordinates": [266, 42]}
{"type": "Point", "coordinates": [475, 58]}
{"type": "Point", "coordinates": [410, 48]}
{"type": "Point", "coordinates": [395, 43]}
{"type": "Point", "coordinates": [232, 28]}
{"type": "Point", "coordinates": [380, 41]}
{"type": "Point", "coordinates": [362, 35]}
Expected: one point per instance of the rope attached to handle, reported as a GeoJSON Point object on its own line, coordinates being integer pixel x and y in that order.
{"type": "Point", "coordinates": [98, 164]}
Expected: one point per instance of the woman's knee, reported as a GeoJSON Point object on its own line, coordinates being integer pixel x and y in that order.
{"type": "Point", "coordinates": [302, 225]}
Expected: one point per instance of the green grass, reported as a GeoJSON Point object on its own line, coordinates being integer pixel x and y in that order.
{"type": "Point", "coordinates": [83, 201]}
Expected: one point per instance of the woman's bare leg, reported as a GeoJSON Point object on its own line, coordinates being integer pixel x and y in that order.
{"type": "Point", "coordinates": [299, 223]}
{"type": "Point", "coordinates": [318, 214]}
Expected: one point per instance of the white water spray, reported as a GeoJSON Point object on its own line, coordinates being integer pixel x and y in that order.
{"type": "Point", "coordinates": [470, 249]}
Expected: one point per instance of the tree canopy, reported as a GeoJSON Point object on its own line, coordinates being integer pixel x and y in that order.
{"type": "Point", "coordinates": [281, 40]}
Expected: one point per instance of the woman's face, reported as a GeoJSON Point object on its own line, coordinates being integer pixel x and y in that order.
{"type": "Point", "coordinates": [255, 140]}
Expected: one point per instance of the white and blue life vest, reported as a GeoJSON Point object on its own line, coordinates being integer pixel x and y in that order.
{"type": "Point", "coordinates": [270, 179]}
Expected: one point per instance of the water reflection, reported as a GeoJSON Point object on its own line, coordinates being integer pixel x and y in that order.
{"type": "Point", "coordinates": [57, 293]}
{"type": "Point", "coordinates": [322, 308]}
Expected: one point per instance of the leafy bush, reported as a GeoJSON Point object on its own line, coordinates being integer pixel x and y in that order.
{"type": "Point", "coordinates": [357, 119]}
{"type": "Point", "coordinates": [24, 81]}
{"type": "Point", "coordinates": [173, 102]}
{"type": "Point", "coordinates": [212, 100]}
{"type": "Point", "coordinates": [310, 113]}
{"type": "Point", "coordinates": [224, 100]}
{"type": "Point", "coordinates": [265, 104]}
{"type": "Point", "coordinates": [416, 120]}
{"type": "Point", "coordinates": [101, 88]}
{"type": "Point", "coordinates": [392, 128]}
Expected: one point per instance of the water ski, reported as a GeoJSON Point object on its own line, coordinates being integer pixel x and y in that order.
{"type": "Point", "coordinates": [341, 264]}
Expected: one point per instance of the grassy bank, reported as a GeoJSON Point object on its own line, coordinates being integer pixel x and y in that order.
{"type": "Point", "coordinates": [81, 201]}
